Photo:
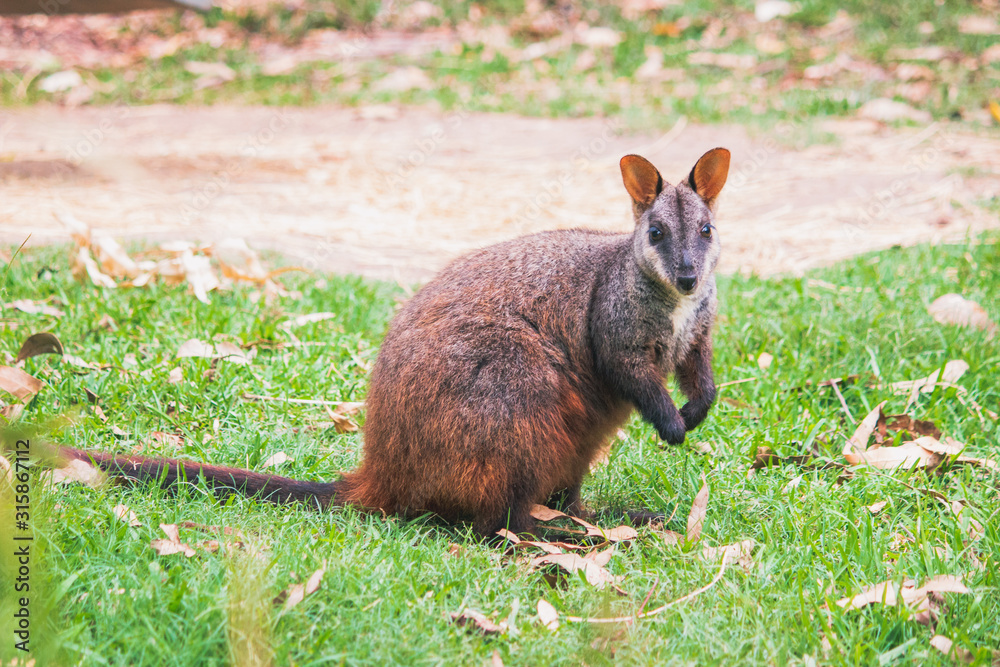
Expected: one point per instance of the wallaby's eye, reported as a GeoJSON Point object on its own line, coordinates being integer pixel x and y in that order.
{"type": "Point", "coordinates": [655, 234]}
{"type": "Point", "coordinates": [706, 231]}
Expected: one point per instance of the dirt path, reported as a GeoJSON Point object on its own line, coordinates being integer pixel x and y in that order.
{"type": "Point", "coordinates": [397, 194]}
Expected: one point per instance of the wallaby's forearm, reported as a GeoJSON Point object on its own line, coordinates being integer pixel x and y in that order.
{"type": "Point", "coordinates": [643, 388]}
{"type": "Point", "coordinates": [696, 380]}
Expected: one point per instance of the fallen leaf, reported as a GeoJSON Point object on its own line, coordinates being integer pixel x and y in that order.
{"type": "Point", "coordinates": [875, 508]}
{"type": "Point", "coordinates": [768, 10]}
{"type": "Point", "coordinates": [6, 469]}
{"type": "Point", "coordinates": [908, 424]}
{"type": "Point", "coordinates": [956, 309]}
{"type": "Point", "coordinates": [308, 318]}
{"type": "Point", "coordinates": [99, 411]}
{"type": "Point", "coordinates": [764, 361]}
{"type": "Point", "coordinates": [548, 615]}
{"type": "Point", "coordinates": [39, 343]}
{"type": "Point", "coordinates": [176, 375]}
{"type": "Point", "coordinates": [125, 515]}
{"type": "Point", "coordinates": [696, 518]}
{"type": "Point", "coordinates": [276, 459]}
{"type": "Point", "coordinates": [671, 537]}
{"type": "Point", "coordinates": [543, 513]}
{"type": "Point", "coordinates": [84, 264]}
{"type": "Point", "coordinates": [195, 348]}
{"type": "Point", "coordinates": [858, 442]}
{"type": "Point", "coordinates": [594, 573]}
{"type": "Point", "coordinates": [599, 37]}
{"type": "Point", "coordinates": [950, 446]}
{"type": "Point", "coordinates": [35, 307]}
{"type": "Point", "coordinates": [478, 620]}
{"type": "Point", "coordinates": [171, 439]}
{"type": "Point", "coordinates": [172, 545]}
{"type": "Point", "coordinates": [17, 382]}
{"type": "Point", "coordinates": [946, 646]}
{"type": "Point", "coordinates": [75, 470]}
{"type": "Point", "coordinates": [908, 455]}
{"type": "Point", "coordinates": [922, 600]}
{"type": "Point", "coordinates": [297, 592]}
{"type": "Point", "coordinates": [233, 353]}
{"type": "Point", "coordinates": [740, 552]}
{"type": "Point", "coordinates": [978, 24]}
{"type": "Point", "coordinates": [12, 412]}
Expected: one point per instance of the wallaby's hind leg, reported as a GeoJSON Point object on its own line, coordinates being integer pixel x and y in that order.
{"type": "Point", "coordinates": [516, 519]}
{"type": "Point", "coordinates": [568, 500]}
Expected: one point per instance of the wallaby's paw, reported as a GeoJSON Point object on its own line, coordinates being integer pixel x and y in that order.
{"type": "Point", "coordinates": [673, 433]}
{"type": "Point", "coordinates": [693, 415]}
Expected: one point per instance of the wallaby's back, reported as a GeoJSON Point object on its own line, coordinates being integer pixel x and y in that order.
{"type": "Point", "coordinates": [485, 397]}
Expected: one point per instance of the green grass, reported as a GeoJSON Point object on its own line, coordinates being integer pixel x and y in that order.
{"type": "Point", "coordinates": [476, 79]}
{"type": "Point", "coordinates": [390, 583]}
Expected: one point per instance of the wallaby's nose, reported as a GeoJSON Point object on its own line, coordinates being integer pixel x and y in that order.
{"type": "Point", "coordinates": [686, 283]}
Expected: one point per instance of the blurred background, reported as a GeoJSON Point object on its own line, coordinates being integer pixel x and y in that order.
{"type": "Point", "coordinates": [387, 137]}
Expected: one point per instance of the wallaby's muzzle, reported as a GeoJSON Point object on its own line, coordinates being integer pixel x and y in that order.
{"type": "Point", "coordinates": [686, 283]}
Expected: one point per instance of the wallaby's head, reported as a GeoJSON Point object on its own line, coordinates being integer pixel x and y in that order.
{"type": "Point", "coordinates": [675, 241]}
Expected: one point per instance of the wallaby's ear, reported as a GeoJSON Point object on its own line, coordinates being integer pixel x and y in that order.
{"type": "Point", "coordinates": [642, 180]}
{"type": "Point", "coordinates": [709, 175]}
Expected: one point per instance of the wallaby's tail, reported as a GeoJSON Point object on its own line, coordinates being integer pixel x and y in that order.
{"type": "Point", "coordinates": [168, 472]}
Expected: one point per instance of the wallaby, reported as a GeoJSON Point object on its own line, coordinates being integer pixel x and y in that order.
{"type": "Point", "coordinates": [500, 380]}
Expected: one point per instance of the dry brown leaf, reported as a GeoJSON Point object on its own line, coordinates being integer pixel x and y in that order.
{"type": "Point", "coordinates": [172, 544]}
{"type": "Point", "coordinates": [75, 470]}
{"type": "Point", "coordinates": [297, 592]}
{"type": "Point", "coordinates": [978, 24]}
{"type": "Point", "coordinates": [671, 537]}
{"type": "Point", "coordinates": [477, 619]}
{"type": "Point", "coordinates": [176, 375]}
{"type": "Point", "coordinates": [907, 455]}
{"type": "Point", "coordinates": [923, 600]}
{"type": "Point", "coordinates": [99, 411]}
{"type": "Point", "coordinates": [946, 646]}
{"type": "Point", "coordinates": [171, 439]}
{"type": "Point", "coordinates": [595, 573]}
{"type": "Point", "coordinates": [740, 552]}
{"type": "Point", "coordinates": [276, 459]}
{"type": "Point", "coordinates": [39, 343]}
{"type": "Point", "coordinates": [858, 442]}
{"type": "Point", "coordinates": [35, 307]}
{"type": "Point", "coordinates": [195, 348]}
{"type": "Point", "coordinates": [764, 361]}
{"type": "Point", "coordinates": [908, 424]}
{"type": "Point", "coordinates": [233, 353]}
{"type": "Point", "coordinates": [956, 309]}
{"type": "Point", "coordinates": [875, 508]}
{"type": "Point", "coordinates": [696, 518]}
{"type": "Point", "coordinates": [949, 447]}
{"type": "Point", "coordinates": [6, 469]}
{"type": "Point", "coordinates": [199, 274]}
{"type": "Point", "coordinates": [543, 513]}
{"type": "Point", "coordinates": [84, 265]}
{"type": "Point", "coordinates": [17, 382]}
{"type": "Point", "coordinates": [12, 412]}
{"type": "Point", "coordinates": [112, 258]}
{"type": "Point", "coordinates": [548, 615]}
{"type": "Point", "coordinates": [308, 318]}
{"type": "Point", "coordinates": [125, 515]}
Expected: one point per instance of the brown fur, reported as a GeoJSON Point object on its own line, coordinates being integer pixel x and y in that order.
{"type": "Point", "coordinates": [500, 380]}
